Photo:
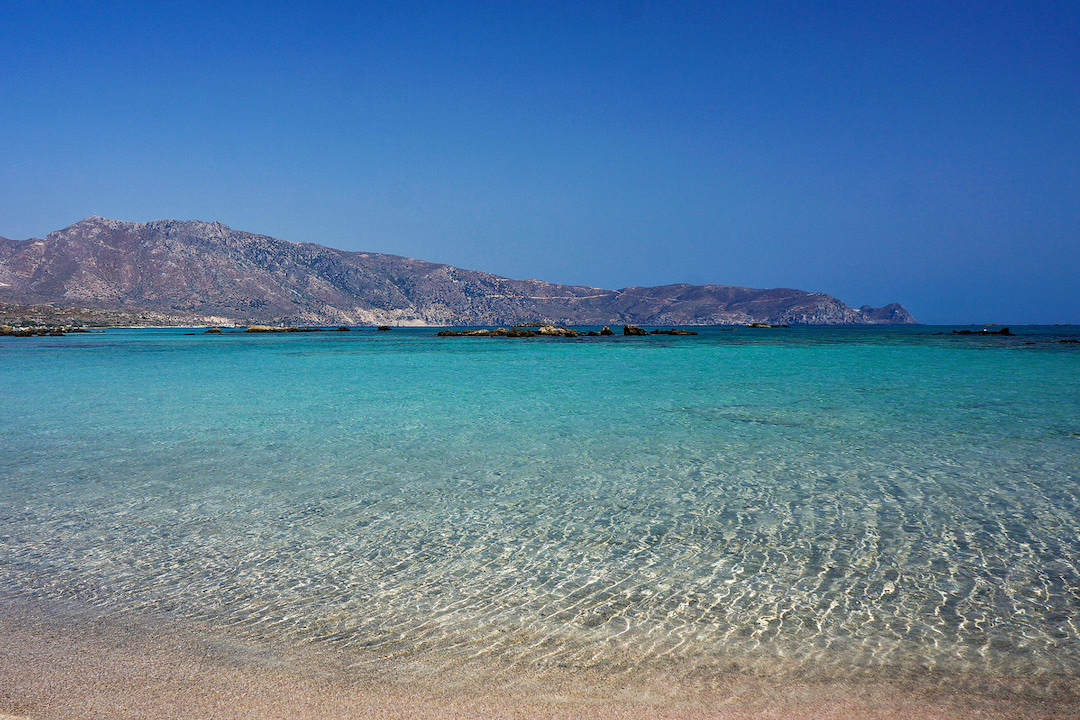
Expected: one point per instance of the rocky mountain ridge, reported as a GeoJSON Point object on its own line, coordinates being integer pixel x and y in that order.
{"type": "Point", "coordinates": [196, 269]}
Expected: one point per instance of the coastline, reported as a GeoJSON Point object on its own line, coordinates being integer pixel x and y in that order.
{"type": "Point", "coordinates": [894, 540]}
{"type": "Point", "coordinates": [81, 664]}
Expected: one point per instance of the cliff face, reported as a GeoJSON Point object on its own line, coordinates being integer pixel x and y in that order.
{"type": "Point", "coordinates": [207, 269]}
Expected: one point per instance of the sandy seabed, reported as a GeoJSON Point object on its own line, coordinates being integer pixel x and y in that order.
{"type": "Point", "coordinates": [75, 668]}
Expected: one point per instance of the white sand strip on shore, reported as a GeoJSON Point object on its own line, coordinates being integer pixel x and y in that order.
{"type": "Point", "coordinates": [51, 670]}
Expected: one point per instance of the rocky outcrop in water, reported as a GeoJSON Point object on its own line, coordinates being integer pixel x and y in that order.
{"type": "Point", "coordinates": [527, 330]}
{"type": "Point", "coordinates": [191, 269]}
{"type": "Point", "coordinates": [984, 331]}
{"type": "Point", "coordinates": [279, 329]}
{"type": "Point", "coordinates": [10, 331]}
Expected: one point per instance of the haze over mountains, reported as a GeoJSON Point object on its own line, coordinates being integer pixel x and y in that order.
{"type": "Point", "coordinates": [207, 270]}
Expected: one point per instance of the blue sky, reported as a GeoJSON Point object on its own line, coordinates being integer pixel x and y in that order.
{"type": "Point", "coordinates": [919, 152]}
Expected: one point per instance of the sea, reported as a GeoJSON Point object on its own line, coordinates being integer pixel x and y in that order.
{"type": "Point", "coordinates": [806, 504]}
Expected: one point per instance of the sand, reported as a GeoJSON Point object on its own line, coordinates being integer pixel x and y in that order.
{"type": "Point", "coordinates": [93, 668]}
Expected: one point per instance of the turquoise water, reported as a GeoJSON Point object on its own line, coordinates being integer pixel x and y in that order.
{"type": "Point", "coordinates": [835, 503]}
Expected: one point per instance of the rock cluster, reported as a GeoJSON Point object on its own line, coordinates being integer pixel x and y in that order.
{"type": "Point", "coordinates": [635, 330]}
{"type": "Point", "coordinates": [984, 331]}
{"type": "Point", "coordinates": [38, 330]}
{"type": "Point", "coordinates": [534, 329]}
{"type": "Point", "coordinates": [526, 330]}
{"type": "Point", "coordinates": [283, 329]}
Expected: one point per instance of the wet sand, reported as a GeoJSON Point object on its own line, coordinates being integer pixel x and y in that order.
{"type": "Point", "coordinates": [75, 668]}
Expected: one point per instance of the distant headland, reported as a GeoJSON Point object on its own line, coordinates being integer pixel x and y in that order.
{"type": "Point", "coordinates": [170, 272]}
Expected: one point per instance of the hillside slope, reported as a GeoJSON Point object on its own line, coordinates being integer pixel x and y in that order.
{"type": "Point", "coordinates": [208, 269]}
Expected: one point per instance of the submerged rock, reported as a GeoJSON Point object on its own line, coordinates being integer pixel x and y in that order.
{"type": "Point", "coordinates": [283, 329]}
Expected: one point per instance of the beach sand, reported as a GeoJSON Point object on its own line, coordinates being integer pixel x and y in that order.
{"type": "Point", "coordinates": [92, 668]}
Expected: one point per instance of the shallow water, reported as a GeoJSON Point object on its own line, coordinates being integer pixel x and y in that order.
{"type": "Point", "coordinates": [834, 504]}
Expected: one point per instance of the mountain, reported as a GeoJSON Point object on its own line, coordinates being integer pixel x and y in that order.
{"type": "Point", "coordinates": [192, 269]}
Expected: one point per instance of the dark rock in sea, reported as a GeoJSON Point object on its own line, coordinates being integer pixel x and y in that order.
{"type": "Point", "coordinates": [1069, 342]}
{"type": "Point", "coordinates": [527, 330]}
{"type": "Point", "coordinates": [10, 331]}
{"type": "Point", "coordinates": [272, 329]}
{"type": "Point", "coordinates": [212, 331]}
{"type": "Point", "coordinates": [764, 325]}
{"type": "Point", "coordinates": [593, 333]}
{"type": "Point", "coordinates": [383, 328]}
{"type": "Point", "coordinates": [476, 332]}
{"type": "Point", "coordinates": [514, 332]}
{"type": "Point", "coordinates": [537, 328]}
{"type": "Point", "coordinates": [673, 331]}
{"type": "Point", "coordinates": [606, 331]}
{"type": "Point", "coordinates": [633, 330]}
{"type": "Point", "coordinates": [556, 331]}
{"type": "Point", "coordinates": [343, 329]}
{"type": "Point", "coordinates": [984, 331]}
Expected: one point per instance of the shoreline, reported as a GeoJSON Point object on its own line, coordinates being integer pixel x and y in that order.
{"type": "Point", "coordinates": [87, 665]}
{"type": "Point", "coordinates": [812, 523]}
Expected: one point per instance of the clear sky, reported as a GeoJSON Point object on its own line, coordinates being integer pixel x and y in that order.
{"type": "Point", "coordinates": [926, 153]}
